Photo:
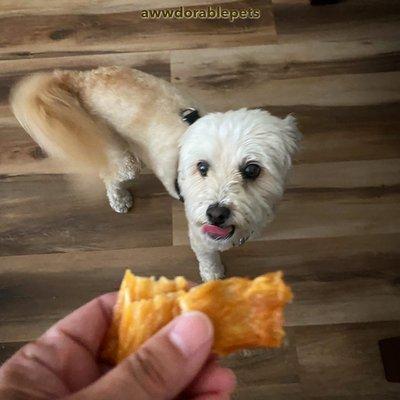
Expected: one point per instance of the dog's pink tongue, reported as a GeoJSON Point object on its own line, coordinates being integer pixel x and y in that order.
{"type": "Point", "coordinates": [217, 230]}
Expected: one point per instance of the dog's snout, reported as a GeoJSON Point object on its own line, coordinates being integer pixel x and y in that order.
{"type": "Point", "coordinates": [217, 214]}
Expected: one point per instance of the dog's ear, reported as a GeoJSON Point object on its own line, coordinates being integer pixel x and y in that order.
{"type": "Point", "coordinates": [190, 115]}
{"type": "Point", "coordinates": [292, 133]}
{"type": "Point", "coordinates": [282, 138]}
{"type": "Point", "coordinates": [291, 137]}
{"type": "Point", "coordinates": [178, 191]}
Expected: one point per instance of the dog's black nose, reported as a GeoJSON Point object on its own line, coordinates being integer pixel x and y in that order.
{"type": "Point", "coordinates": [217, 214]}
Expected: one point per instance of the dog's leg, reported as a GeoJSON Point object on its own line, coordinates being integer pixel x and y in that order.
{"type": "Point", "coordinates": [210, 264]}
{"type": "Point", "coordinates": [119, 197]}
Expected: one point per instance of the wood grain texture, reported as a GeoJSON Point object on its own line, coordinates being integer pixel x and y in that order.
{"type": "Point", "coordinates": [60, 7]}
{"type": "Point", "coordinates": [330, 213]}
{"type": "Point", "coordinates": [317, 74]}
{"type": "Point", "coordinates": [282, 366]}
{"type": "Point", "coordinates": [41, 35]}
{"type": "Point", "coordinates": [336, 236]}
{"type": "Point", "coordinates": [354, 133]}
{"type": "Point", "coordinates": [8, 349]}
{"type": "Point", "coordinates": [54, 218]}
{"type": "Point", "coordinates": [358, 20]}
{"type": "Point", "coordinates": [335, 280]}
{"type": "Point", "coordinates": [19, 153]}
{"type": "Point", "coordinates": [349, 356]}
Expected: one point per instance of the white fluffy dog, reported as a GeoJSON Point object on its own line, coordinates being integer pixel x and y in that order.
{"type": "Point", "coordinates": [229, 168]}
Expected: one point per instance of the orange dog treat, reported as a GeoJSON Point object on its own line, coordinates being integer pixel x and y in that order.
{"type": "Point", "coordinates": [245, 313]}
{"type": "Point", "coordinates": [141, 319]}
{"type": "Point", "coordinates": [135, 288]}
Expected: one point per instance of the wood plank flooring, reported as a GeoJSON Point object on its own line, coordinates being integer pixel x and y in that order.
{"type": "Point", "coordinates": [337, 232]}
{"type": "Point", "coordinates": [127, 31]}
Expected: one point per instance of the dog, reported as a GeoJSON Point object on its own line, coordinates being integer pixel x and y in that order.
{"type": "Point", "coordinates": [228, 168]}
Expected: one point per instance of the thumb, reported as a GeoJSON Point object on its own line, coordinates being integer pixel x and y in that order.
{"type": "Point", "coordinates": [162, 367]}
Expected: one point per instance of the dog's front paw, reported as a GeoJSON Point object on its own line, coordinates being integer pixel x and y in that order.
{"type": "Point", "coordinates": [120, 200]}
{"type": "Point", "coordinates": [211, 273]}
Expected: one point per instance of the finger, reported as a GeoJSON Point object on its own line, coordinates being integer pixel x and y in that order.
{"type": "Point", "coordinates": [212, 379]}
{"type": "Point", "coordinates": [88, 324]}
{"type": "Point", "coordinates": [65, 356]}
{"type": "Point", "coordinates": [162, 367]}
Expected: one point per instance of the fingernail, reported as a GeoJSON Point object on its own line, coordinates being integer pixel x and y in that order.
{"type": "Point", "coordinates": [191, 331]}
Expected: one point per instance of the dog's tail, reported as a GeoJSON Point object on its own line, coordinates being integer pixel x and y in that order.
{"type": "Point", "coordinates": [49, 109]}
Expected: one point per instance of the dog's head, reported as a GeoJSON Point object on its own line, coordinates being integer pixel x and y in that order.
{"type": "Point", "coordinates": [232, 170]}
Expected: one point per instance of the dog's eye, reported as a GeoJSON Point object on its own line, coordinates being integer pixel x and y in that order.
{"type": "Point", "coordinates": [251, 171]}
{"type": "Point", "coordinates": [203, 166]}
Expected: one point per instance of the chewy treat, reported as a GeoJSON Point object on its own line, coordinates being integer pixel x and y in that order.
{"type": "Point", "coordinates": [135, 289]}
{"type": "Point", "coordinates": [245, 313]}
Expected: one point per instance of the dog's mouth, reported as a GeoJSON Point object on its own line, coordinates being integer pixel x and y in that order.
{"type": "Point", "coordinates": [218, 233]}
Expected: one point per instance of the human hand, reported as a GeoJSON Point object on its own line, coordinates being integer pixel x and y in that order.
{"type": "Point", "coordinates": [64, 362]}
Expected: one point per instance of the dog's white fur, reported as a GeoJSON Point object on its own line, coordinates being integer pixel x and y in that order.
{"type": "Point", "coordinates": [111, 119]}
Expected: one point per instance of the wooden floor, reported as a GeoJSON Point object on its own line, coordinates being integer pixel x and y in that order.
{"type": "Point", "coordinates": [337, 234]}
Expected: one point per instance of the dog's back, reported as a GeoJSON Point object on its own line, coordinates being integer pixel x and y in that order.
{"type": "Point", "coordinates": [90, 119]}
{"type": "Point", "coordinates": [49, 110]}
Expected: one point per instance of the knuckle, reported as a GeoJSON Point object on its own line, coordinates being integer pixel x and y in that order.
{"type": "Point", "coordinates": [149, 372]}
